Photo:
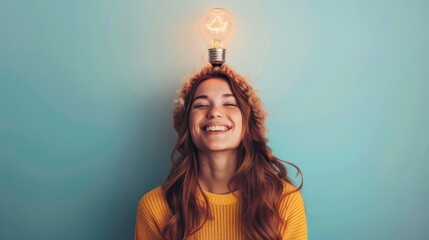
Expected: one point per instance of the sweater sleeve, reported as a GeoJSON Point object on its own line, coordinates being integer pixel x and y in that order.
{"type": "Point", "coordinates": [146, 224]}
{"type": "Point", "coordinates": [293, 212]}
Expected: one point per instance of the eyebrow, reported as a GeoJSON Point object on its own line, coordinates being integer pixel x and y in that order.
{"type": "Point", "coordinates": [205, 96]}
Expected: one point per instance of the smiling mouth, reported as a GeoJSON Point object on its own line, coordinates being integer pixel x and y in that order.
{"type": "Point", "coordinates": [216, 128]}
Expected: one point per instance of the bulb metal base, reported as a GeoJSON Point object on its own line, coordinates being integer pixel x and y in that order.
{"type": "Point", "coordinates": [217, 56]}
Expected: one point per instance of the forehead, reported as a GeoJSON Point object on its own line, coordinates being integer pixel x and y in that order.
{"type": "Point", "coordinates": [213, 86]}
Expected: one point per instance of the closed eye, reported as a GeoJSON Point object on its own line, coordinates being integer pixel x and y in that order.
{"type": "Point", "coordinates": [200, 106]}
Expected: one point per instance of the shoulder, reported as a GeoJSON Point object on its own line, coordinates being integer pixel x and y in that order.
{"type": "Point", "coordinates": [292, 198]}
{"type": "Point", "coordinates": [289, 188]}
{"type": "Point", "coordinates": [152, 213]}
{"type": "Point", "coordinates": [156, 194]}
{"type": "Point", "coordinates": [153, 200]}
{"type": "Point", "coordinates": [293, 213]}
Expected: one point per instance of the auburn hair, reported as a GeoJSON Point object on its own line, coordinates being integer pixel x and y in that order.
{"type": "Point", "coordinates": [259, 176]}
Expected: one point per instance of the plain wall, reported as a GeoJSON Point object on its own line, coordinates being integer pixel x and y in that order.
{"type": "Point", "coordinates": [87, 89]}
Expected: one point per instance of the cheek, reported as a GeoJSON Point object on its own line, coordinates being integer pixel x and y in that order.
{"type": "Point", "coordinates": [194, 119]}
{"type": "Point", "coordinates": [192, 128]}
{"type": "Point", "coordinates": [238, 119]}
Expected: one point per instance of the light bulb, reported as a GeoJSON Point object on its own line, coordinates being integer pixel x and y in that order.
{"type": "Point", "coordinates": [217, 26]}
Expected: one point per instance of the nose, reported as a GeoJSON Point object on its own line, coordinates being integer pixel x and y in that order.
{"type": "Point", "coordinates": [214, 112]}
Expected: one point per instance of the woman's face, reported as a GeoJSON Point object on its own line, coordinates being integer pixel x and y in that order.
{"type": "Point", "coordinates": [215, 119]}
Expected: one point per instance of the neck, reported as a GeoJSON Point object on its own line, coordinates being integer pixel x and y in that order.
{"type": "Point", "coordinates": [216, 169]}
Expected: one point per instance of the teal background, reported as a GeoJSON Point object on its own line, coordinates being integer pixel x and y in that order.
{"type": "Point", "coordinates": [87, 88]}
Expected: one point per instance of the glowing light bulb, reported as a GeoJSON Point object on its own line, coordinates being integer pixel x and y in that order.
{"type": "Point", "coordinates": [217, 26]}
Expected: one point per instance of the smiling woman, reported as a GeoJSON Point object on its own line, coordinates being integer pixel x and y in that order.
{"type": "Point", "coordinates": [225, 182]}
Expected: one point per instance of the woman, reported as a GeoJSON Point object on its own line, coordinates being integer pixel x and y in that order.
{"type": "Point", "coordinates": [225, 182]}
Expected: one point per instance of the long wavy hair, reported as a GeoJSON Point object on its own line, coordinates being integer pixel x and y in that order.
{"type": "Point", "coordinates": [259, 176]}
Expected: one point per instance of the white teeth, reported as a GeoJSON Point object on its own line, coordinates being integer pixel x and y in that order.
{"type": "Point", "coordinates": [216, 128]}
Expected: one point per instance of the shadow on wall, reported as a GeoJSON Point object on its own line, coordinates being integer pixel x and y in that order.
{"type": "Point", "coordinates": [151, 140]}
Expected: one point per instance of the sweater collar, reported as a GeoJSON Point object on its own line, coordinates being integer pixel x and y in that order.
{"type": "Point", "coordinates": [219, 199]}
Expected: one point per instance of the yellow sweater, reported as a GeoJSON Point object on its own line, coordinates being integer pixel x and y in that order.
{"type": "Point", "coordinates": [153, 212]}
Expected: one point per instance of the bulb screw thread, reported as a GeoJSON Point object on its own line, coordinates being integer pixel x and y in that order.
{"type": "Point", "coordinates": [217, 56]}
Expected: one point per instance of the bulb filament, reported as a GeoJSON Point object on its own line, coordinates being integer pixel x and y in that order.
{"type": "Point", "coordinates": [217, 27]}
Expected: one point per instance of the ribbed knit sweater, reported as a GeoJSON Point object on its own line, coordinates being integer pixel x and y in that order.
{"type": "Point", "coordinates": [153, 213]}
